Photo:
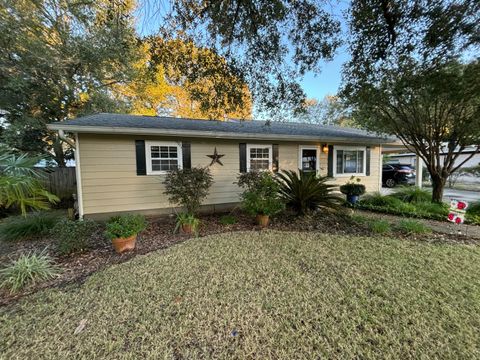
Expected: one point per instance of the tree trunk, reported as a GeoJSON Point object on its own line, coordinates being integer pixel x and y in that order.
{"type": "Point", "coordinates": [438, 184]}
{"type": "Point", "coordinates": [59, 153]}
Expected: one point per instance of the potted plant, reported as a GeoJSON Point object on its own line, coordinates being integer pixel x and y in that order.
{"type": "Point", "coordinates": [188, 223]}
{"type": "Point", "coordinates": [353, 189]}
{"type": "Point", "coordinates": [261, 197]}
{"type": "Point", "coordinates": [123, 231]}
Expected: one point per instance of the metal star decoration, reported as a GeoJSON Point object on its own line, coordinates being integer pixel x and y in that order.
{"type": "Point", "coordinates": [215, 157]}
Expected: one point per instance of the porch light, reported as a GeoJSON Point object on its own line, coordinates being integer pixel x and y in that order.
{"type": "Point", "coordinates": [325, 148]}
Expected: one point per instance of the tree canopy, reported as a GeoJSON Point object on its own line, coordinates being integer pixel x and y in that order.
{"type": "Point", "coordinates": [414, 73]}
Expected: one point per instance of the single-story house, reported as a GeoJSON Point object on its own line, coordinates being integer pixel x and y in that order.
{"type": "Point", "coordinates": [120, 159]}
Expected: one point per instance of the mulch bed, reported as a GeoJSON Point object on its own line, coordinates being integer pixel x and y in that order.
{"type": "Point", "coordinates": [159, 235]}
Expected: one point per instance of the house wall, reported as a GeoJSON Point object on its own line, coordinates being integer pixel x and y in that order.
{"type": "Point", "coordinates": [110, 184]}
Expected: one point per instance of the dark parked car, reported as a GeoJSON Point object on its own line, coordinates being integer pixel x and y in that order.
{"type": "Point", "coordinates": [393, 174]}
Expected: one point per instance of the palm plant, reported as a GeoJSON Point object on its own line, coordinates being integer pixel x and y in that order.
{"type": "Point", "coordinates": [304, 191]}
{"type": "Point", "coordinates": [20, 183]}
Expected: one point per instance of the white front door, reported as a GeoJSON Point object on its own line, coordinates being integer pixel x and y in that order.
{"type": "Point", "coordinates": [308, 159]}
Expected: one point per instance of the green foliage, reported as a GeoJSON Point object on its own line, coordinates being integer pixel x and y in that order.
{"type": "Point", "coordinates": [33, 225]}
{"type": "Point", "coordinates": [253, 37]}
{"type": "Point", "coordinates": [390, 204]}
{"type": "Point", "coordinates": [412, 194]}
{"type": "Point", "coordinates": [20, 183]}
{"type": "Point", "coordinates": [72, 236]}
{"type": "Point", "coordinates": [413, 227]}
{"type": "Point", "coordinates": [261, 195]}
{"type": "Point", "coordinates": [124, 226]}
{"type": "Point", "coordinates": [473, 213]}
{"type": "Point", "coordinates": [28, 269]}
{"type": "Point", "coordinates": [359, 219]}
{"type": "Point", "coordinates": [380, 226]}
{"type": "Point", "coordinates": [304, 192]}
{"type": "Point", "coordinates": [228, 220]}
{"type": "Point", "coordinates": [353, 187]}
{"type": "Point", "coordinates": [188, 187]}
{"type": "Point", "coordinates": [187, 219]}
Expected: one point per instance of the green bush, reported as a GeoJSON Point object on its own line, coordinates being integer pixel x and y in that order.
{"type": "Point", "coordinates": [188, 187]}
{"type": "Point", "coordinates": [73, 236]}
{"type": "Point", "coordinates": [412, 194]}
{"type": "Point", "coordinates": [261, 197]}
{"type": "Point", "coordinates": [28, 269]}
{"type": "Point", "coordinates": [473, 213]}
{"type": "Point", "coordinates": [305, 192]}
{"type": "Point", "coordinates": [125, 226]}
{"type": "Point", "coordinates": [380, 226]}
{"type": "Point", "coordinates": [228, 220]}
{"type": "Point", "coordinates": [413, 227]}
{"type": "Point", "coordinates": [33, 225]}
{"type": "Point", "coordinates": [393, 205]}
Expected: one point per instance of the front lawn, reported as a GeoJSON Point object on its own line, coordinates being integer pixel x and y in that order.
{"type": "Point", "coordinates": [262, 295]}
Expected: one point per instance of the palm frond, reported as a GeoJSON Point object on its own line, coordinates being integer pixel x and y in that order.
{"type": "Point", "coordinates": [304, 191]}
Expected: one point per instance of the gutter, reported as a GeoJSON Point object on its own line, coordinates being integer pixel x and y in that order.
{"type": "Point", "coordinates": [211, 134]}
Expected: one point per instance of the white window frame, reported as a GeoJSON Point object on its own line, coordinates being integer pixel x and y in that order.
{"type": "Point", "coordinates": [349, 148]}
{"type": "Point", "coordinates": [148, 155]}
{"type": "Point", "coordinates": [263, 146]}
{"type": "Point", "coordinates": [308, 147]}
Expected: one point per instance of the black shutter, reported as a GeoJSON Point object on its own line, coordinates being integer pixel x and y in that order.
{"type": "Point", "coordinates": [367, 161]}
{"type": "Point", "coordinates": [140, 157]}
{"type": "Point", "coordinates": [275, 157]}
{"type": "Point", "coordinates": [243, 157]}
{"type": "Point", "coordinates": [330, 161]}
{"type": "Point", "coordinates": [186, 155]}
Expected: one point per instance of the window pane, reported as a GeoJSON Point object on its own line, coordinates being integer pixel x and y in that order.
{"type": "Point", "coordinates": [309, 159]}
{"type": "Point", "coordinates": [339, 161]}
{"type": "Point", "coordinates": [360, 162]}
{"type": "Point", "coordinates": [155, 151]}
{"type": "Point", "coordinates": [156, 165]}
{"type": "Point", "coordinates": [259, 164]}
{"type": "Point", "coordinates": [350, 162]}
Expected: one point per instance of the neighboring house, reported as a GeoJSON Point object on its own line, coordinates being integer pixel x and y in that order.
{"type": "Point", "coordinates": [410, 158]}
{"type": "Point", "coordinates": [121, 159]}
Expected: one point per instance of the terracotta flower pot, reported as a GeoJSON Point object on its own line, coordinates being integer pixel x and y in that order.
{"type": "Point", "coordinates": [124, 244]}
{"type": "Point", "coordinates": [187, 228]}
{"type": "Point", "coordinates": [263, 220]}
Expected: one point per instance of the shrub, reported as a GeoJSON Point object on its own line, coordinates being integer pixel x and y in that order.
{"type": "Point", "coordinates": [124, 226]}
{"type": "Point", "coordinates": [412, 194]}
{"type": "Point", "coordinates": [304, 192]}
{"type": "Point", "coordinates": [473, 213]}
{"type": "Point", "coordinates": [261, 196]}
{"type": "Point", "coordinates": [26, 227]}
{"type": "Point", "coordinates": [73, 236]}
{"type": "Point", "coordinates": [380, 226]}
{"type": "Point", "coordinates": [28, 269]}
{"type": "Point", "coordinates": [228, 220]}
{"type": "Point", "coordinates": [188, 187]}
{"type": "Point", "coordinates": [413, 227]}
{"type": "Point", "coordinates": [353, 187]}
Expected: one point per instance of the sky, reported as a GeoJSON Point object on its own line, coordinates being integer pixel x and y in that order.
{"type": "Point", "coordinates": [316, 86]}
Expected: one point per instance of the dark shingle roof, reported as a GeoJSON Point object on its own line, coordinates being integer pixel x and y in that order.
{"type": "Point", "coordinates": [120, 123]}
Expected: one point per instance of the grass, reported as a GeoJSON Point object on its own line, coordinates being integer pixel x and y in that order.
{"type": "Point", "coordinates": [380, 226]}
{"type": "Point", "coordinates": [28, 269]}
{"type": "Point", "coordinates": [413, 227]}
{"type": "Point", "coordinates": [228, 220]}
{"type": "Point", "coordinates": [16, 228]}
{"type": "Point", "coordinates": [266, 294]}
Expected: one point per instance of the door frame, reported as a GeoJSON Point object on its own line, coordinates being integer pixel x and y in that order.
{"type": "Point", "coordinates": [309, 147]}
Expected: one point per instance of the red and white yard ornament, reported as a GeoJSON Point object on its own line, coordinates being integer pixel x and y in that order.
{"type": "Point", "coordinates": [457, 211]}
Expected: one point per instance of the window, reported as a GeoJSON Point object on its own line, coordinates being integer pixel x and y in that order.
{"type": "Point", "coordinates": [308, 160]}
{"type": "Point", "coordinates": [163, 156]}
{"type": "Point", "coordinates": [259, 157]}
{"type": "Point", "coordinates": [350, 160]}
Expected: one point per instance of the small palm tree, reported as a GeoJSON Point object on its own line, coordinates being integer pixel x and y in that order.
{"type": "Point", "coordinates": [20, 183]}
{"type": "Point", "coordinates": [305, 191]}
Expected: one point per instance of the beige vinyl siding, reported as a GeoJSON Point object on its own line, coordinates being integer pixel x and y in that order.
{"type": "Point", "coordinates": [110, 183]}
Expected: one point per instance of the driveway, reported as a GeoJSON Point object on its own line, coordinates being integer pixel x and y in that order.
{"type": "Point", "coordinates": [469, 196]}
